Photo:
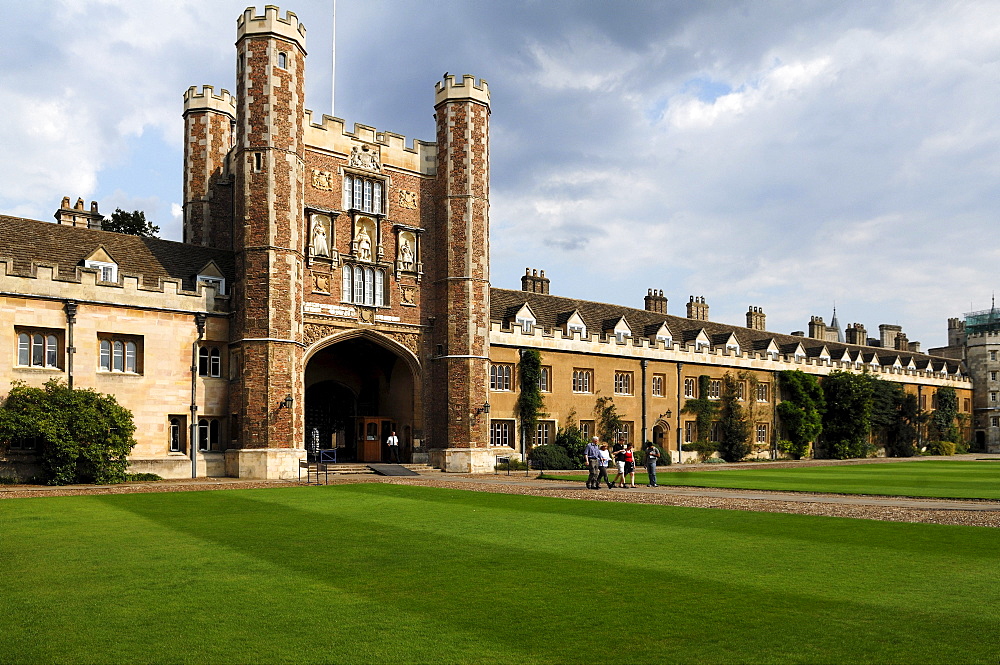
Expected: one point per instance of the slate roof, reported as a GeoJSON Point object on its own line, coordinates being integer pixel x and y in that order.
{"type": "Point", "coordinates": [28, 241]}
{"type": "Point", "coordinates": [552, 311]}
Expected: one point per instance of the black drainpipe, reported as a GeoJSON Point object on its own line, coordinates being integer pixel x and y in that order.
{"type": "Point", "coordinates": [70, 307]}
{"type": "Point", "coordinates": [199, 320]}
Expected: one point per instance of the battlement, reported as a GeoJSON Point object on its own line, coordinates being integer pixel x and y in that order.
{"type": "Point", "coordinates": [271, 23]}
{"type": "Point", "coordinates": [331, 134]}
{"type": "Point", "coordinates": [44, 282]}
{"type": "Point", "coordinates": [466, 88]}
{"type": "Point", "coordinates": [206, 100]}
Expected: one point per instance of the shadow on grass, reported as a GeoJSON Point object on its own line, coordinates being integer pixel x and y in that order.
{"type": "Point", "coordinates": [426, 575]}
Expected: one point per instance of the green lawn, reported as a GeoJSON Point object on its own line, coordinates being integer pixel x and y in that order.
{"type": "Point", "coordinates": [396, 574]}
{"type": "Point", "coordinates": [956, 479]}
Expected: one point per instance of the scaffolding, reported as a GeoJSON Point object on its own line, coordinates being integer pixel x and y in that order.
{"type": "Point", "coordinates": [987, 320]}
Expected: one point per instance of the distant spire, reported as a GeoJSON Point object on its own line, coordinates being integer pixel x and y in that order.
{"type": "Point", "coordinates": [834, 323]}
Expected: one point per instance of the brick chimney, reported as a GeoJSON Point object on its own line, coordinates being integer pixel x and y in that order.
{"type": "Point", "coordinates": [697, 309]}
{"type": "Point", "coordinates": [533, 282]}
{"type": "Point", "coordinates": [655, 302]}
{"type": "Point", "coordinates": [856, 334]}
{"type": "Point", "coordinates": [78, 215]}
{"type": "Point", "coordinates": [756, 319]}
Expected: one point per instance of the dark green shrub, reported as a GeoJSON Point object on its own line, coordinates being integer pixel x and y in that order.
{"type": "Point", "coordinates": [734, 428]}
{"type": "Point", "coordinates": [941, 448]}
{"type": "Point", "coordinates": [571, 440]}
{"type": "Point", "coordinates": [801, 411]}
{"type": "Point", "coordinates": [141, 477]}
{"type": "Point", "coordinates": [83, 436]}
{"type": "Point", "coordinates": [550, 457]}
{"type": "Point", "coordinates": [847, 422]}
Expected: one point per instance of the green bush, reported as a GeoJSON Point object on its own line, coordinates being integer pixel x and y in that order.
{"type": "Point", "coordinates": [941, 448]}
{"type": "Point", "coordinates": [550, 457]}
{"type": "Point", "coordinates": [571, 440]}
{"type": "Point", "coordinates": [794, 450]}
{"type": "Point", "coordinates": [83, 436]}
{"type": "Point", "coordinates": [513, 464]}
{"type": "Point", "coordinates": [141, 477]}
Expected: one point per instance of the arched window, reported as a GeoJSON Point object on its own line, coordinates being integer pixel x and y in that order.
{"type": "Point", "coordinates": [368, 195]}
{"type": "Point", "coordinates": [51, 351]}
{"type": "Point", "coordinates": [347, 291]}
{"type": "Point", "coordinates": [203, 361]}
{"type": "Point", "coordinates": [23, 349]}
{"type": "Point", "coordinates": [379, 288]}
{"type": "Point", "coordinates": [130, 357]}
{"type": "Point", "coordinates": [203, 434]}
{"type": "Point", "coordinates": [377, 198]}
{"type": "Point", "coordinates": [359, 285]}
{"type": "Point", "coordinates": [364, 194]}
{"type": "Point", "coordinates": [175, 435]}
{"type": "Point", "coordinates": [118, 357]}
{"type": "Point", "coordinates": [37, 350]}
{"type": "Point", "coordinates": [283, 60]}
{"type": "Point", "coordinates": [358, 193]}
{"type": "Point", "coordinates": [105, 362]}
{"type": "Point", "coordinates": [369, 286]}
{"type": "Point", "coordinates": [215, 364]}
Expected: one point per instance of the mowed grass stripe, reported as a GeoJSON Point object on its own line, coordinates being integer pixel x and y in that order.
{"type": "Point", "coordinates": [955, 479]}
{"type": "Point", "coordinates": [381, 573]}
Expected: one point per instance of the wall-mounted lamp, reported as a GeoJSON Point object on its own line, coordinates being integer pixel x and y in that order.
{"type": "Point", "coordinates": [666, 414]}
{"type": "Point", "coordinates": [286, 403]}
{"type": "Point", "coordinates": [485, 408]}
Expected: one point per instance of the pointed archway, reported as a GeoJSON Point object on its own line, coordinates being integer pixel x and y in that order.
{"type": "Point", "coordinates": [359, 387]}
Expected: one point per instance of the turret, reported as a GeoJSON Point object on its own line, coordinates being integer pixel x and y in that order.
{"type": "Point", "coordinates": [208, 137]}
{"type": "Point", "coordinates": [268, 163]}
{"type": "Point", "coordinates": [461, 240]}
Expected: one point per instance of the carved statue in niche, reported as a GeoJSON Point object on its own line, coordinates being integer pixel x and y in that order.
{"type": "Point", "coordinates": [364, 244]}
{"type": "Point", "coordinates": [363, 157]}
{"type": "Point", "coordinates": [407, 199]}
{"type": "Point", "coordinates": [320, 244]}
{"type": "Point", "coordinates": [405, 252]}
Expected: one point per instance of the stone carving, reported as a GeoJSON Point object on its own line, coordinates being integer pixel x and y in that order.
{"type": "Point", "coordinates": [314, 332]}
{"type": "Point", "coordinates": [410, 340]}
{"type": "Point", "coordinates": [322, 180]}
{"type": "Point", "coordinates": [407, 200]}
{"type": "Point", "coordinates": [322, 282]}
{"type": "Point", "coordinates": [320, 244]}
{"type": "Point", "coordinates": [366, 315]}
{"type": "Point", "coordinates": [364, 245]}
{"type": "Point", "coordinates": [406, 295]}
{"type": "Point", "coordinates": [364, 157]}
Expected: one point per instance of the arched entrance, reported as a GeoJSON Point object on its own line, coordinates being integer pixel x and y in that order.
{"type": "Point", "coordinates": [358, 390]}
{"type": "Point", "coordinates": [661, 437]}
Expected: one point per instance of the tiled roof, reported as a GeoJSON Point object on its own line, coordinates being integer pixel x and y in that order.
{"type": "Point", "coordinates": [552, 312]}
{"type": "Point", "coordinates": [28, 241]}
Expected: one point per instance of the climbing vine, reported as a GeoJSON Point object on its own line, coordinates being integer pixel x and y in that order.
{"type": "Point", "coordinates": [529, 401]}
{"type": "Point", "coordinates": [703, 410]}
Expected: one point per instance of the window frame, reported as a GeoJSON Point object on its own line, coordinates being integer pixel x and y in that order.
{"type": "Point", "coordinates": [583, 381]}
{"type": "Point", "coordinates": [119, 354]}
{"type": "Point", "coordinates": [624, 382]}
{"type": "Point", "coordinates": [501, 377]}
{"type": "Point", "coordinates": [38, 348]}
{"type": "Point", "coordinates": [690, 387]}
{"type": "Point", "coordinates": [502, 433]}
{"type": "Point", "coordinates": [658, 385]}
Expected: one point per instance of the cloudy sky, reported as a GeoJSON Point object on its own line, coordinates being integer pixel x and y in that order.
{"type": "Point", "coordinates": [787, 155]}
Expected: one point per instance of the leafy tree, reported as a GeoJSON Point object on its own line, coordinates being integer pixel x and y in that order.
{"type": "Point", "coordinates": [571, 439]}
{"type": "Point", "coordinates": [734, 428]}
{"type": "Point", "coordinates": [607, 421]}
{"type": "Point", "coordinates": [529, 402]}
{"type": "Point", "coordinates": [801, 410]}
{"type": "Point", "coordinates": [704, 411]}
{"type": "Point", "coordinates": [847, 422]}
{"type": "Point", "coordinates": [83, 436]}
{"type": "Point", "coordinates": [943, 421]}
{"type": "Point", "coordinates": [131, 223]}
{"type": "Point", "coordinates": [901, 439]}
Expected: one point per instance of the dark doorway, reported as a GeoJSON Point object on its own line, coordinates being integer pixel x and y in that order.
{"type": "Point", "coordinates": [352, 381]}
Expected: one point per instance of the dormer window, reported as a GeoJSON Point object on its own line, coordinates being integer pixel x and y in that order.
{"type": "Point", "coordinates": [700, 345]}
{"type": "Point", "coordinates": [622, 336]}
{"type": "Point", "coordinates": [527, 325]}
{"type": "Point", "coordinates": [576, 327]}
{"type": "Point", "coordinates": [218, 282]}
{"type": "Point", "coordinates": [106, 272]}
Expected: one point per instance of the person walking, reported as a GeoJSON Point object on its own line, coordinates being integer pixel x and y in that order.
{"type": "Point", "coordinates": [619, 454]}
{"type": "Point", "coordinates": [603, 466]}
{"type": "Point", "coordinates": [629, 466]}
{"type": "Point", "coordinates": [393, 443]}
{"type": "Point", "coordinates": [592, 455]}
{"type": "Point", "coordinates": [652, 459]}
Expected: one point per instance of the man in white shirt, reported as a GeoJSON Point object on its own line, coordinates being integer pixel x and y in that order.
{"type": "Point", "coordinates": [393, 443]}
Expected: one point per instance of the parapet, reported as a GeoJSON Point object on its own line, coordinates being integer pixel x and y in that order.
{"type": "Point", "coordinates": [331, 134]}
{"type": "Point", "coordinates": [207, 100]}
{"type": "Point", "coordinates": [271, 23]}
{"type": "Point", "coordinates": [466, 89]}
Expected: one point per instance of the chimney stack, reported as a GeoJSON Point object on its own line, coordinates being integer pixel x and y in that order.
{"type": "Point", "coordinates": [655, 302]}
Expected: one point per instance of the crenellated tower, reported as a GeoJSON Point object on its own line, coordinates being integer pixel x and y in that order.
{"type": "Point", "coordinates": [460, 371]}
{"type": "Point", "coordinates": [269, 202]}
{"type": "Point", "coordinates": [209, 120]}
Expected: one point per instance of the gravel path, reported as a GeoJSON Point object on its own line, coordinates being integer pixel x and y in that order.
{"type": "Point", "coordinates": [892, 509]}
